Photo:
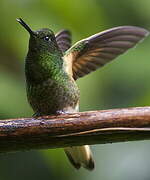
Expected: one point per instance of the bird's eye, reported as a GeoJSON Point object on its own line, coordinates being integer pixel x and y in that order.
{"type": "Point", "coordinates": [46, 38]}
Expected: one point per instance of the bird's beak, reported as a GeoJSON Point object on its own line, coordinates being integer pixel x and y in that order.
{"type": "Point", "coordinates": [26, 26]}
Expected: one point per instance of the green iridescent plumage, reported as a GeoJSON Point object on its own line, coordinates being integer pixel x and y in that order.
{"type": "Point", "coordinates": [49, 88]}
{"type": "Point", "coordinates": [52, 66]}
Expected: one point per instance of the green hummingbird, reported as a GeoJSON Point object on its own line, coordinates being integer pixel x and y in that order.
{"type": "Point", "coordinates": [52, 67]}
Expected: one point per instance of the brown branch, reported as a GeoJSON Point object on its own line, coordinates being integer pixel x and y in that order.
{"type": "Point", "coordinates": [94, 127]}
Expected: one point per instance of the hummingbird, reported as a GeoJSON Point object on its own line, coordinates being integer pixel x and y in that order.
{"type": "Point", "coordinates": [52, 67]}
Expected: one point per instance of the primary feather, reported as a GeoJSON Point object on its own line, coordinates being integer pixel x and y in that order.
{"type": "Point", "coordinates": [63, 39]}
{"type": "Point", "coordinates": [91, 53]}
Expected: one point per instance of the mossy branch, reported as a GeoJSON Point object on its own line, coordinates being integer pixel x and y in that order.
{"type": "Point", "coordinates": [93, 127]}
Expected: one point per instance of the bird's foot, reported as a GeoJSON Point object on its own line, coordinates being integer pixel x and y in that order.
{"type": "Point", "coordinates": [36, 115]}
{"type": "Point", "coordinates": [59, 112]}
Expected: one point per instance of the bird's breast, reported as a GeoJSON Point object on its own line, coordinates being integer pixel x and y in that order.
{"type": "Point", "coordinates": [53, 95]}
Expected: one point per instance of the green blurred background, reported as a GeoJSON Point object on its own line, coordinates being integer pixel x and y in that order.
{"type": "Point", "coordinates": [123, 83]}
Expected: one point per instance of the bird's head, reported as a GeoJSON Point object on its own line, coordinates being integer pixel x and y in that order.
{"type": "Point", "coordinates": [40, 40]}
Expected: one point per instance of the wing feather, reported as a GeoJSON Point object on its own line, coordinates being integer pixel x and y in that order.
{"type": "Point", "coordinates": [63, 39]}
{"type": "Point", "coordinates": [99, 49]}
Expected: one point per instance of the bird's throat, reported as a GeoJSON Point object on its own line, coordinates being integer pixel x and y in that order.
{"type": "Point", "coordinates": [42, 66]}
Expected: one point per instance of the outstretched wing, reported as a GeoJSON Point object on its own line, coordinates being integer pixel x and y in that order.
{"type": "Point", "coordinates": [63, 39]}
{"type": "Point", "coordinates": [91, 53]}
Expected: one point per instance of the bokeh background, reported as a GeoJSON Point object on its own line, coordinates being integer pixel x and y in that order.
{"type": "Point", "coordinates": [122, 83]}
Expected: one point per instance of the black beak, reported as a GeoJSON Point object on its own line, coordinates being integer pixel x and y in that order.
{"type": "Point", "coordinates": [26, 26]}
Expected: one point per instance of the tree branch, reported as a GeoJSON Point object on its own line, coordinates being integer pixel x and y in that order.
{"type": "Point", "coordinates": [93, 127]}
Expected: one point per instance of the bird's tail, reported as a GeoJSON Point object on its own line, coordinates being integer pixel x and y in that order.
{"type": "Point", "coordinates": [80, 156]}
